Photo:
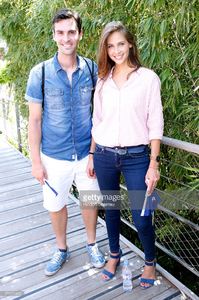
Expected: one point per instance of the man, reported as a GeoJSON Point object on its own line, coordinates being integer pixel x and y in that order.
{"type": "Point", "coordinates": [62, 129]}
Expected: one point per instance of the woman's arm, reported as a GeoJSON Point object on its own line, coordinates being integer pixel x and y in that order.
{"type": "Point", "coordinates": [90, 167]}
{"type": "Point", "coordinates": [153, 174]}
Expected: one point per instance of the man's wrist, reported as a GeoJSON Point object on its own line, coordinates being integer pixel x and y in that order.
{"type": "Point", "coordinates": [91, 152]}
{"type": "Point", "coordinates": [36, 162]}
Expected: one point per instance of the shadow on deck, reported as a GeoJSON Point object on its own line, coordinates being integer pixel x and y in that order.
{"type": "Point", "coordinates": [27, 243]}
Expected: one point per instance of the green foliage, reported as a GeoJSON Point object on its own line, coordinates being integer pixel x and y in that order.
{"type": "Point", "coordinates": [4, 77]}
{"type": "Point", "coordinates": [167, 37]}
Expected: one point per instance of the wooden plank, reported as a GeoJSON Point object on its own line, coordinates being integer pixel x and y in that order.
{"type": "Point", "coordinates": [19, 185]}
{"type": "Point", "coordinates": [179, 297]}
{"type": "Point", "coordinates": [31, 217]}
{"type": "Point", "coordinates": [144, 294]}
{"type": "Point", "coordinates": [27, 243]}
{"type": "Point", "coordinates": [78, 286]}
{"type": "Point", "coordinates": [6, 151]}
{"type": "Point", "coordinates": [15, 179]}
{"type": "Point", "coordinates": [166, 294]}
{"type": "Point", "coordinates": [25, 191]}
{"type": "Point", "coordinates": [21, 213]}
{"type": "Point", "coordinates": [15, 166]}
{"type": "Point", "coordinates": [31, 277]}
{"type": "Point", "coordinates": [17, 171]}
{"type": "Point", "coordinates": [77, 265]}
{"type": "Point", "coordinates": [41, 253]}
{"type": "Point", "coordinates": [9, 156]}
{"type": "Point", "coordinates": [15, 161]}
{"type": "Point", "coordinates": [41, 234]}
{"type": "Point", "coordinates": [20, 202]}
{"type": "Point", "coordinates": [33, 223]}
{"type": "Point", "coordinates": [37, 238]}
{"type": "Point", "coordinates": [26, 200]}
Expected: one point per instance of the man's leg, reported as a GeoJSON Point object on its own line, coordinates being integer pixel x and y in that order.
{"type": "Point", "coordinates": [90, 215]}
{"type": "Point", "coordinates": [90, 221]}
{"type": "Point", "coordinates": [88, 186]}
{"type": "Point", "coordinates": [59, 223]}
{"type": "Point", "coordinates": [55, 191]}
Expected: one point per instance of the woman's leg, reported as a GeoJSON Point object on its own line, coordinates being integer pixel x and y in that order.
{"type": "Point", "coordinates": [134, 170]}
{"type": "Point", "coordinates": [108, 179]}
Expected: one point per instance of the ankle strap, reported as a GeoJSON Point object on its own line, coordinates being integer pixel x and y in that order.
{"type": "Point", "coordinates": [116, 256]}
{"type": "Point", "coordinates": [150, 263]}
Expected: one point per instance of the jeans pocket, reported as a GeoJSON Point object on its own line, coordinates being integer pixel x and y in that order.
{"type": "Point", "coordinates": [144, 153]}
{"type": "Point", "coordinates": [99, 150]}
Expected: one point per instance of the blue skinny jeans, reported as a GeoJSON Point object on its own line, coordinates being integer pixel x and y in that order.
{"type": "Point", "coordinates": [108, 167]}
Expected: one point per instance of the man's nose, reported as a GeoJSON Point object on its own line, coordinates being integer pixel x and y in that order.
{"type": "Point", "coordinates": [65, 37]}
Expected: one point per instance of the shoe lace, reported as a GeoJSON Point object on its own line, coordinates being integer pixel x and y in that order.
{"type": "Point", "coordinates": [95, 251]}
{"type": "Point", "coordinates": [56, 258]}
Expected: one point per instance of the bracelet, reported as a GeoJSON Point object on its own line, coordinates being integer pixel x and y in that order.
{"type": "Point", "coordinates": [92, 153]}
{"type": "Point", "coordinates": [154, 168]}
{"type": "Point", "coordinates": [155, 158]}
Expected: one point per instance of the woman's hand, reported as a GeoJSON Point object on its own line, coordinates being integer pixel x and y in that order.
{"type": "Point", "coordinates": [151, 179]}
{"type": "Point", "coordinates": [90, 167]}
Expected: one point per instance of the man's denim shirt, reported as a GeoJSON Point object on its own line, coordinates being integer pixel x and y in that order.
{"type": "Point", "coordinates": [66, 121]}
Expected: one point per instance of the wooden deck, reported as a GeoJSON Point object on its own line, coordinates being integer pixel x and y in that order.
{"type": "Point", "coordinates": [27, 243]}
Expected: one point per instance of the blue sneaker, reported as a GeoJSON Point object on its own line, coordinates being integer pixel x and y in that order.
{"type": "Point", "coordinates": [56, 262]}
{"type": "Point", "coordinates": [96, 257]}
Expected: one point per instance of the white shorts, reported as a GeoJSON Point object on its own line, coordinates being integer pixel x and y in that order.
{"type": "Point", "coordinates": [61, 174]}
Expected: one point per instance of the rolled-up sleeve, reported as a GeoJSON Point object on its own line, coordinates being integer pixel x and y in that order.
{"type": "Point", "coordinates": [97, 112]}
{"type": "Point", "coordinates": [155, 122]}
{"type": "Point", "coordinates": [34, 85]}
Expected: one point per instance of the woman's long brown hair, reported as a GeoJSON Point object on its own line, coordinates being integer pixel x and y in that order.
{"type": "Point", "coordinates": [105, 64]}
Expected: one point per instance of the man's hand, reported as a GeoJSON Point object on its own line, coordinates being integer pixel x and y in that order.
{"type": "Point", "coordinates": [39, 172]}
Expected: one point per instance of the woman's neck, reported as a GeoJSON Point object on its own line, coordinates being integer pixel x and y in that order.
{"type": "Point", "coordinates": [121, 74]}
{"type": "Point", "coordinates": [124, 68]}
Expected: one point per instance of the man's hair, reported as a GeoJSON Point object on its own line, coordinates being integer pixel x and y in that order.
{"type": "Point", "coordinates": [64, 14]}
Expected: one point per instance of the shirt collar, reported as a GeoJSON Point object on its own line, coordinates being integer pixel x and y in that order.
{"type": "Point", "coordinates": [80, 63]}
{"type": "Point", "coordinates": [111, 72]}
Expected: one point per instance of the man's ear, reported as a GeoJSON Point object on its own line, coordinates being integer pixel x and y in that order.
{"type": "Point", "coordinates": [53, 35]}
{"type": "Point", "coordinates": [81, 35]}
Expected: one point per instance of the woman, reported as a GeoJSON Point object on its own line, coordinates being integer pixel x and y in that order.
{"type": "Point", "coordinates": [127, 120]}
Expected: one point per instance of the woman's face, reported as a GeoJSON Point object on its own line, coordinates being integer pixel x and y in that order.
{"type": "Point", "coordinates": [118, 48]}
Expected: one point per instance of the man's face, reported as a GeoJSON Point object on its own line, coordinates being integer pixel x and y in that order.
{"type": "Point", "coordinates": [67, 36]}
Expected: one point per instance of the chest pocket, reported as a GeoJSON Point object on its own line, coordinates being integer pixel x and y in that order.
{"type": "Point", "coordinates": [86, 94]}
{"type": "Point", "coordinates": [54, 99]}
